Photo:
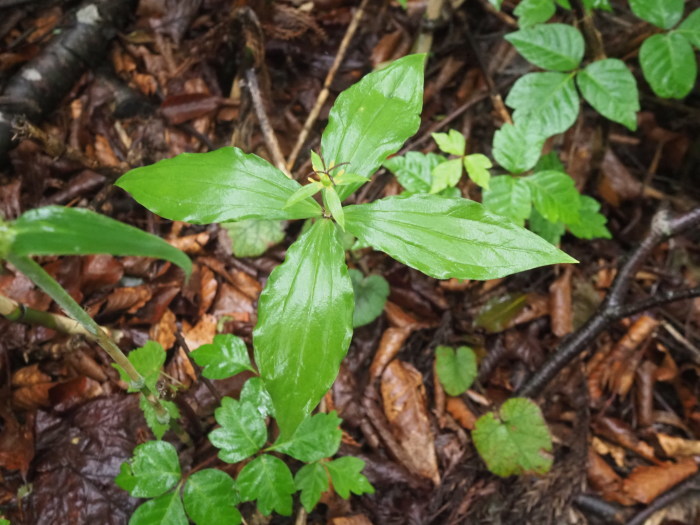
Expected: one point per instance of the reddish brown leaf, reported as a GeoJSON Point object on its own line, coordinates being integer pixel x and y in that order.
{"type": "Point", "coordinates": [391, 343]}
{"type": "Point", "coordinates": [181, 108]}
{"type": "Point", "coordinates": [603, 478]}
{"type": "Point", "coordinates": [560, 311]}
{"type": "Point", "coordinates": [619, 432]}
{"type": "Point", "coordinates": [459, 410]}
{"type": "Point", "coordinates": [208, 286]}
{"type": "Point", "coordinates": [678, 447]}
{"type": "Point", "coordinates": [403, 397]}
{"type": "Point", "coordinates": [644, 484]}
{"type": "Point", "coordinates": [164, 331]}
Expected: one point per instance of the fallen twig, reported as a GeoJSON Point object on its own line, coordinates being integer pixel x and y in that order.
{"type": "Point", "coordinates": [613, 308]}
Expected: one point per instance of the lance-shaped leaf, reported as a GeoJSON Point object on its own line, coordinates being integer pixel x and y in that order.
{"type": "Point", "coordinates": [57, 230]}
{"type": "Point", "coordinates": [222, 185]}
{"type": "Point", "coordinates": [373, 118]}
{"type": "Point", "coordinates": [305, 324]}
{"type": "Point", "coordinates": [332, 203]}
{"type": "Point", "coordinates": [445, 237]}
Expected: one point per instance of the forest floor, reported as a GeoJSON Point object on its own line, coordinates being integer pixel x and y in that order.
{"type": "Point", "coordinates": [168, 76]}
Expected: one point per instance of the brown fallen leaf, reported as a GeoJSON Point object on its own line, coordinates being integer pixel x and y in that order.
{"type": "Point", "coordinates": [208, 286]}
{"type": "Point", "coordinates": [230, 300]}
{"type": "Point", "coordinates": [404, 402]}
{"type": "Point", "coordinates": [459, 410]}
{"type": "Point", "coordinates": [391, 343]}
{"type": "Point", "coordinates": [163, 332]}
{"type": "Point", "coordinates": [605, 480]}
{"type": "Point", "coordinates": [357, 519]}
{"type": "Point", "coordinates": [619, 432]}
{"type": "Point", "coordinates": [560, 311]}
{"type": "Point", "coordinates": [200, 334]}
{"type": "Point", "coordinates": [645, 483]}
{"type": "Point", "coordinates": [678, 447]}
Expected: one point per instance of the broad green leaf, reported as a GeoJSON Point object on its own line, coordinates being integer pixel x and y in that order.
{"type": "Point", "coordinates": [373, 118]}
{"type": "Point", "coordinates": [302, 193]}
{"type": "Point", "coordinates": [555, 196]}
{"type": "Point", "coordinates": [414, 170]}
{"type": "Point", "coordinates": [242, 433]}
{"type": "Point", "coordinates": [3, 521]}
{"type": "Point", "coordinates": [304, 324]}
{"type": "Point", "coordinates": [267, 480]}
{"type": "Point", "coordinates": [495, 316]}
{"type": "Point", "coordinates": [477, 166]}
{"type": "Point", "coordinates": [446, 238]}
{"type": "Point", "coordinates": [531, 12]}
{"type": "Point", "coordinates": [690, 28]}
{"type": "Point", "coordinates": [611, 89]}
{"type": "Point", "coordinates": [669, 65]}
{"type": "Point", "coordinates": [550, 161]}
{"type": "Point", "coordinates": [57, 230]}
{"type": "Point", "coordinates": [517, 146]}
{"type": "Point", "coordinates": [592, 223]}
{"type": "Point", "coordinates": [332, 204]}
{"type": "Point", "coordinates": [253, 237]}
{"type": "Point", "coordinates": [225, 357]}
{"type": "Point", "coordinates": [510, 197]}
{"type": "Point", "coordinates": [255, 394]}
{"type": "Point", "coordinates": [210, 498]}
{"type": "Point", "coordinates": [549, 231]}
{"type": "Point", "coordinates": [446, 175]}
{"type": "Point", "coordinates": [312, 481]}
{"type": "Point", "coordinates": [371, 293]}
{"type": "Point", "coordinates": [347, 477]}
{"type": "Point", "coordinates": [165, 510]}
{"type": "Point", "coordinates": [549, 99]}
{"type": "Point", "coordinates": [516, 441]}
{"type": "Point", "coordinates": [148, 361]}
{"type": "Point", "coordinates": [153, 470]}
{"type": "Point", "coordinates": [452, 142]}
{"type": "Point", "coordinates": [662, 13]}
{"type": "Point", "coordinates": [456, 369]}
{"type": "Point", "coordinates": [218, 186]}
{"type": "Point", "coordinates": [558, 47]}
{"type": "Point", "coordinates": [317, 437]}
{"type": "Point", "coordinates": [157, 427]}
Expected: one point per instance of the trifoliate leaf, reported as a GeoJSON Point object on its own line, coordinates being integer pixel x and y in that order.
{"type": "Point", "coordinates": [517, 146]}
{"type": "Point", "coordinates": [225, 357]}
{"type": "Point", "coordinates": [456, 369]}
{"type": "Point", "coordinates": [548, 98]}
{"type": "Point", "coordinates": [453, 142]}
{"type": "Point", "coordinates": [210, 498]}
{"type": "Point", "coordinates": [531, 12]}
{"type": "Point", "coordinates": [371, 293]}
{"type": "Point", "coordinates": [252, 237]}
{"type": "Point", "coordinates": [690, 28]}
{"type": "Point", "coordinates": [414, 170]}
{"type": "Point", "coordinates": [347, 477]}
{"type": "Point", "coordinates": [316, 438]}
{"type": "Point", "coordinates": [148, 361]}
{"type": "Point", "coordinates": [254, 393]}
{"type": "Point", "coordinates": [662, 13]}
{"type": "Point", "coordinates": [668, 63]}
{"type": "Point", "coordinates": [558, 47]}
{"type": "Point", "coordinates": [446, 175]}
{"type": "Point", "coordinates": [153, 470]}
{"type": "Point", "coordinates": [555, 196]}
{"type": "Point", "coordinates": [611, 89]}
{"type": "Point", "coordinates": [515, 441]}
{"type": "Point", "coordinates": [510, 197]}
{"type": "Point", "coordinates": [592, 223]}
{"type": "Point", "coordinates": [267, 480]}
{"type": "Point", "coordinates": [152, 420]}
{"type": "Point", "coordinates": [165, 510]}
{"type": "Point", "coordinates": [549, 231]}
{"type": "Point", "coordinates": [243, 431]}
{"type": "Point", "coordinates": [312, 481]}
{"type": "Point", "coordinates": [477, 166]}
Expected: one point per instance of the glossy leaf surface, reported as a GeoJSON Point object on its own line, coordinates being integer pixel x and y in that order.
{"type": "Point", "coordinates": [210, 498]}
{"type": "Point", "coordinates": [255, 394]}
{"type": "Point", "coordinates": [456, 369]}
{"type": "Point", "coordinates": [662, 13]}
{"type": "Point", "coordinates": [316, 438]}
{"type": "Point", "coordinates": [165, 510]}
{"type": "Point", "coordinates": [669, 65]}
{"type": "Point", "coordinates": [558, 47]}
{"type": "Point", "coordinates": [267, 480]}
{"type": "Point", "coordinates": [517, 147]}
{"type": "Point", "coordinates": [57, 230]}
{"type": "Point", "coordinates": [158, 427]}
{"type": "Point", "coordinates": [305, 324]}
{"type": "Point", "coordinates": [516, 441]}
{"type": "Point", "coordinates": [219, 186]}
{"type": "Point", "coordinates": [373, 118]}
{"type": "Point", "coordinates": [549, 99]}
{"type": "Point", "coordinates": [510, 197]}
{"type": "Point", "coordinates": [225, 357]}
{"type": "Point", "coordinates": [347, 477]}
{"type": "Point", "coordinates": [153, 470]}
{"type": "Point", "coordinates": [555, 196]}
{"type": "Point", "coordinates": [611, 89]}
{"type": "Point", "coordinates": [312, 481]}
{"type": "Point", "coordinates": [242, 433]}
{"type": "Point", "coordinates": [446, 238]}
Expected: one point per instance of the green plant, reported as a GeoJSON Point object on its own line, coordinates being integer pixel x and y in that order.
{"type": "Point", "coordinates": [211, 496]}
{"type": "Point", "coordinates": [55, 230]}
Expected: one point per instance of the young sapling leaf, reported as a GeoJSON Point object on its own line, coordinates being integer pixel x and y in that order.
{"type": "Point", "coordinates": [153, 470]}
{"type": "Point", "coordinates": [446, 175]}
{"type": "Point", "coordinates": [148, 361]}
{"type": "Point", "coordinates": [242, 433]}
{"type": "Point", "coordinates": [456, 369]}
{"type": "Point", "coordinates": [225, 357]}
{"type": "Point", "coordinates": [371, 293]}
{"type": "Point", "coordinates": [477, 166]}
{"type": "Point", "coordinates": [308, 190]}
{"type": "Point", "coordinates": [510, 197]}
{"type": "Point", "coordinates": [317, 163]}
{"type": "Point", "coordinates": [558, 47]}
{"type": "Point", "coordinates": [347, 477]}
{"type": "Point", "coordinates": [332, 203]}
{"type": "Point", "coordinates": [254, 392]}
{"type": "Point", "coordinates": [317, 437]}
{"type": "Point", "coordinates": [158, 427]}
{"type": "Point", "coordinates": [268, 481]}
{"type": "Point", "coordinates": [312, 481]}
{"type": "Point", "coordinates": [164, 510]}
{"type": "Point", "coordinates": [210, 498]}
{"type": "Point", "coordinates": [452, 142]}
{"type": "Point", "coordinates": [253, 237]}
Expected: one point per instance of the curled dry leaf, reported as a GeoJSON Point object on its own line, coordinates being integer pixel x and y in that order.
{"type": "Point", "coordinates": [200, 334]}
{"type": "Point", "coordinates": [391, 343]}
{"type": "Point", "coordinates": [459, 410]}
{"type": "Point", "coordinates": [645, 484]}
{"type": "Point", "coordinates": [208, 286]}
{"type": "Point", "coordinates": [560, 311]}
{"type": "Point", "coordinates": [605, 480]}
{"type": "Point", "coordinates": [191, 244]}
{"type": "Point", "coordinates": [403, 396]}
{"type": "Point", "coordinates": [231, 301]}
{"type": "Point", "coordinates": [619, 432]}
{"type": "Point", "coordinates": [678, 447]}
{"type": "Point", "coordinates": [163, 332]}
